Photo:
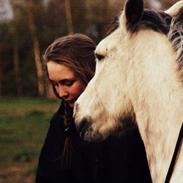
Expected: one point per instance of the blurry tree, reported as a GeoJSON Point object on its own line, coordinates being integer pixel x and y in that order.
{"type": "Point", "coordinates": [1, 72]}
{"type": "Point", "coordinates": [99, 16]}
{"type": "Point", "coordinates": [5, 60]}
{"type": "Point", "coordinates": [15, 42]}
{"type": "Point", "coordinates": [31, 7]}
{"type": "Point", "coordinates": [16, 62]}
{"type": "Point", "coordinates": [68, 15]}
{"type": "Point", "coordinates": [6, 15]}
{"type": "Point", "coordinates": [34, 25]}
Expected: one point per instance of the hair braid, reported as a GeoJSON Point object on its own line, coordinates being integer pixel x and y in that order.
{"type": "Point", "coordinates": [68, 124]}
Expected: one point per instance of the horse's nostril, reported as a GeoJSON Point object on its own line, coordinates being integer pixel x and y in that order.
{"type": "Point", "coordinates": [83, 126]}
{"type": "Point", "coordinates": [99, 56]}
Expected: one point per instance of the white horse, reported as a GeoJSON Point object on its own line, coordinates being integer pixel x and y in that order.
{"type": "Point", "coordinates": [137, 76]}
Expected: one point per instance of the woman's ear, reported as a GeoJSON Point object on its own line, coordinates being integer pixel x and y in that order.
{"type": "Point", "coordinates": [133, 11]}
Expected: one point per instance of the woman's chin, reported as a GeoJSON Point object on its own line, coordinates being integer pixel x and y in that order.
{"type": "Point", "coordinates": [71, 103]}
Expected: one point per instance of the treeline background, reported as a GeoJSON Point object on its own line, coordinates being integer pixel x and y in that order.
{"type": "Point", "coordinates": [27, 27]}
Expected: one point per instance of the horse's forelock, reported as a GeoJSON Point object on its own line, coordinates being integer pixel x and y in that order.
{"type": "Point", "coordinates": [155, 20]}
{"type": "Point", "coordinates": [158, 21]}
{"type": "Point", "coordinates": [137, 18]}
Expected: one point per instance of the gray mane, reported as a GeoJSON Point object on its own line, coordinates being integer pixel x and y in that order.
{"type": "Point", "coordinates": [175, 35]}
{"type": "Point", "coordinates": [156, 20]}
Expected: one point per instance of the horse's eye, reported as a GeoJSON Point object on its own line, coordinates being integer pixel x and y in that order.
{"type": "Point", "coordinates": [99, 57]}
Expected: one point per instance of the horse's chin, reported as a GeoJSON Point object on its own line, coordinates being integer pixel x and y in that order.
{"type": "Point", "coordinates": [92, 136]}
{"type": "Point", "coordinates": [88, 133]}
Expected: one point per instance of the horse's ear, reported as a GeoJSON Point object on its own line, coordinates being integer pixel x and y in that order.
{"type": "Point", "coordinates": [175, 9]}
{"type": "Point", "coordinates": [133, 12]}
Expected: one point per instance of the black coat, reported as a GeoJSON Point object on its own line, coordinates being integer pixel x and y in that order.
{"type": "Point", "coordinates": [119, 159]}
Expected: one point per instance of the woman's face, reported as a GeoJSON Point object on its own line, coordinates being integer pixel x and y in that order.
{"type": "Point", "coordinates": [65, 82]}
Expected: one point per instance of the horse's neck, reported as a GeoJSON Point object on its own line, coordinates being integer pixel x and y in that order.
{"type": "Point", "coordinates": [160, 145]}
{"type": "Point", "coordinates": [159, 136]}
{"type": "Point", "coordinates": [159, 119]}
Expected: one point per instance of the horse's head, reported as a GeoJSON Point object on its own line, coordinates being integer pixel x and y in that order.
{"type": "Point", "coordinates": [110, 96]}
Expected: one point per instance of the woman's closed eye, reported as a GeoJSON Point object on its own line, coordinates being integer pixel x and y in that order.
{"type": "Point", "coordinates": [64, 82]}
{"type": "Point", "coordinates": [67, 82]}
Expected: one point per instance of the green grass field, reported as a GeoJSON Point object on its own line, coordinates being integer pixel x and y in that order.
{"type": "Point", "coordinates": [23, 126]}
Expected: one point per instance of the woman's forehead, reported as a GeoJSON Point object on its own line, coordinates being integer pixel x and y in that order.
{"type": "Point", "coordinates": [56, 70]}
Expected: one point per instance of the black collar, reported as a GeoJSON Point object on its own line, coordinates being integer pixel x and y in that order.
{"type": "Point", "coordinates": [173, 161]}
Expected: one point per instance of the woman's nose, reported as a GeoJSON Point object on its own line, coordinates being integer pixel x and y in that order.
{"type": "Point", "coordinates": [63, 93]}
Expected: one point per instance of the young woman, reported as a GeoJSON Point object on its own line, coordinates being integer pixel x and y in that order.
{"type": "Point", "coordinates": [65, 157]}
